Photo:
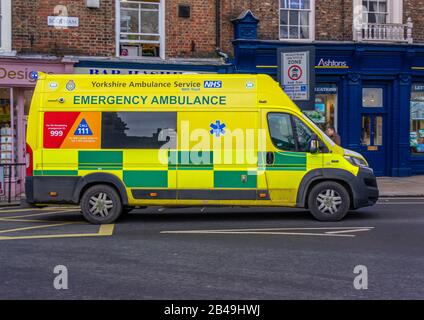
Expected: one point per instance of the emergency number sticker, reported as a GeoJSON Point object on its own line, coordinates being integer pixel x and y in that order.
{"type": "Point", "coordinates": [72, 130]}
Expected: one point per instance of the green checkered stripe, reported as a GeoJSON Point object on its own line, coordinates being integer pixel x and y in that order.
{"type": "Point", "coordinates": [180, 160]}
{"type": "Point", "coordinates": [283, 161]}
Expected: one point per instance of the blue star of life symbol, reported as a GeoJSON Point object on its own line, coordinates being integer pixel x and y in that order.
{"type": "Point", "coordinates": [217, 128]}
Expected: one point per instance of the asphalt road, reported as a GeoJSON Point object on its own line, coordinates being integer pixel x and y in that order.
{"type": "Point", "coordinates": [228, 253]}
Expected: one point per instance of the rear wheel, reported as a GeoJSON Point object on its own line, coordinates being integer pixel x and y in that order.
{"type": "Point", "coordinates": [101, 204]}
{"type": "Point", "coordinates": [329, 201]}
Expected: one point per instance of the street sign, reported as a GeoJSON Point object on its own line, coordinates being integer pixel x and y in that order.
{"type": "Point", "coordinates": [297, 74]}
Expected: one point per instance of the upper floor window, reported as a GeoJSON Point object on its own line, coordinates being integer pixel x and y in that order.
{"type": "Point", "coordinates": [5, 25]}
{"type": "Point", "coordinates": [376, 11]}
{"type": "Point", "coordinates": [297, 19]}
{"type": "Point", "coordinates": [141, 33]}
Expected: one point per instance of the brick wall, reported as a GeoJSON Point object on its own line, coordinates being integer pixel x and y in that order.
{"type": "Point", "coordinates": [415, 10]}
{"type": "Point", "coordinates": [94, 36]}
{"type": "Point", "coordinates": [194, 36]}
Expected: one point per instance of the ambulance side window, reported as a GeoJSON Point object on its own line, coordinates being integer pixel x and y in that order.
{"type": "Point", "coordinates": [138, 130]}
{"type": "Point", "coordinates": [281, 131]}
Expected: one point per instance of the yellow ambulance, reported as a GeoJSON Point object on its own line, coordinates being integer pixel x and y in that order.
{"type": "Point", "coordinates": [113, 143]}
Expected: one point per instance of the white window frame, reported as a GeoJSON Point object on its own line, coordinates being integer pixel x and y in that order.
{"type": "Point", "coordinates": [6, 26]}
{"type": "Point", "coordinates": [311, 24]}
{"type": "Point", "coordinates": [161, 30]}
{"type": "Point", "coordinates": [394, 7]}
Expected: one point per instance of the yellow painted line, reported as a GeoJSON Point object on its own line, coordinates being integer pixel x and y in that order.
{"type": "Point", "coordinates": [104, 230]}
{"type": "Point", "coordinates": [41, 214]}
{"type": "Point", "coordinates": [13, 219]}
{"type": "Point", "coordinates": [38, 209]}
{"type": "Point", "coordinates": [35, 227]}
{"type": "Point", "coordinates": [260, 66]}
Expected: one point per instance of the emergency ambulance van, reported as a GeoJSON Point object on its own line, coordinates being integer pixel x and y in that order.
{"type": "Point", "coordinates": [113, 143]}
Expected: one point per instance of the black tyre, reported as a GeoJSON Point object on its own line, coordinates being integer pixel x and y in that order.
{"type": "Point", "coordinates": [329, 201]}
{"type": "Point", "coordinates": [101, 204]}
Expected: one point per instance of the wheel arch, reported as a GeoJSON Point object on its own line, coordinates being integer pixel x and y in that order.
{"type": "Point", "coordinates": [313, 177]}
{"type": "Point", "coordinates": [100, 178]}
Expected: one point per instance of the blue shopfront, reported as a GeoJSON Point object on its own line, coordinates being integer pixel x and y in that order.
{"type": "Point", "coordinates": [373, 94]}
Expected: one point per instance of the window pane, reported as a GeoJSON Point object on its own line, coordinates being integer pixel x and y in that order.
{"type": "Point", "coordinates": [305, 4]}
{"type": "Point", "coordinates": [304, 135]}
{"type": "Point", "coordinates": [294, 18]}
{"type": "Point", "coordinates": [129, 21]}
{"type": "Point", "coordinates": [304, 18]}
{"type": "Point", "coordinates": [372, 97]}
{"type": "Point", "coordinates": [284, 4]}
{"type": "Point", "coordinates": [372, 6]}
{"type": "Point", "coordinates": [138, 130]}
{"type": "Point", "coordinates": [149, 22]}
{"type": "Point", "coordinates": [382, 7]}
{"type": "Point", "coordinates": [284, 17]}
{"type": "Point", "coordinates": [366, 131]}
{"type": "Point", "coordinates": [378, 131]}
{"type": "Point", "coordinates": [281, 131]}
{"type": "Point", "coordinates": [372, 18]}
{"type": "Point", "coordinates": [381, 18]}
{"type": "Point", "coordinates": [304, 32]}
{"type": "Point", "coordinates": [294, 32]}
{"type": "Point", "coordinates": [295, 4]}
{"type": "Point", "coordinates": [284, 32]}
{"type": "Point", "coordinates": [416, 136]}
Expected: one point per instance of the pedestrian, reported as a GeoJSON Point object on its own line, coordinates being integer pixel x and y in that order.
{"type": "Point", "coordinates": [331, 132]}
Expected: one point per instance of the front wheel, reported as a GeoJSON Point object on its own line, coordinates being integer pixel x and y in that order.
{"type": "Point", "coordinates": [329, 201]}
{"type": "Point", "coordinates": [101, 204]}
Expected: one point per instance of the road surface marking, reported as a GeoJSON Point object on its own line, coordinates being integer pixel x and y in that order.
{"type": "Point", "coordinates": [348, 231]}
{"type": "Point", "coordinates": [280, 231]}
{"type": "Point", "coordinates": [39, 214]}
{"type": "Point", "coordinates": [35, 227]}
{"type": "Point", "coordinates": [104, 230]}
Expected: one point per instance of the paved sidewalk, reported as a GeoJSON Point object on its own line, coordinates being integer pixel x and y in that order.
{"type": "Point", "coordinates": [401, 187]}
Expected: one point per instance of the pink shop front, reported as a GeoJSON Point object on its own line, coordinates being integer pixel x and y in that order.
{"type": "Point", "coordinates": [16, 89]}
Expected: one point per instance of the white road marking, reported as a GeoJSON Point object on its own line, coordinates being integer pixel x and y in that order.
{"type": "Point", "coordinates": [280, 231]}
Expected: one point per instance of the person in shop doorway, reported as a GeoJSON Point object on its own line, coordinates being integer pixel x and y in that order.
{"type": "Point", "coordinates": [331, 132]}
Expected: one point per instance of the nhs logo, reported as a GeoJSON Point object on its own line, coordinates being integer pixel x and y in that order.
{"type": "Point", "coordinates": [217, 84]}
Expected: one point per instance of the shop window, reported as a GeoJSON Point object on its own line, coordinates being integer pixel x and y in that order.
{"type": "Point", "coordinates": [372, 97]}
{"type": "Point", "coordinates": [7, 133]}
{"type": "Point", "coordinates": [417, 119]}
{"type": "Point", "coordinates": [297, 19]}
{"type": "Point", "coordinates": [140, 28]}
{"type": "Point", "coordinates": [138, 130]}
{"type": "Point", "coordinates": [5, 25]}
{"type": "Point", "coordinates": [325, 113]}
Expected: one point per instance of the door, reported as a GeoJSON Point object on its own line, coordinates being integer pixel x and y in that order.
{"type": "Point", "coordinates": [287, 158]}
{"type": "Point", "coordinates": [374, 128]}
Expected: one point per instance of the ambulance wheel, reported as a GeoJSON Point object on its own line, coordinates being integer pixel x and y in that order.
{"type": "Point", "coordinates": [329, 201]}
{"type": "Point", "coordinates": [101, 204]}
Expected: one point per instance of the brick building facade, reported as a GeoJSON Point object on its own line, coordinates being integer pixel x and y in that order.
{"type": "Point", "coordinates": [192, 37]}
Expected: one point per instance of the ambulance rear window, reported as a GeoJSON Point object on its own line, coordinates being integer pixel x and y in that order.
{"type": "Point", "coordinates": [138, 130]}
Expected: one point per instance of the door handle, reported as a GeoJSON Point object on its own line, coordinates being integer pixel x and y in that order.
{"type": "Point", "coordinates": [270, 158]}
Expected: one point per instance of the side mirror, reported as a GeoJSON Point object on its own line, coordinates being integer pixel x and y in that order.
{"type": "Point", "coordinates": [314, 144]}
